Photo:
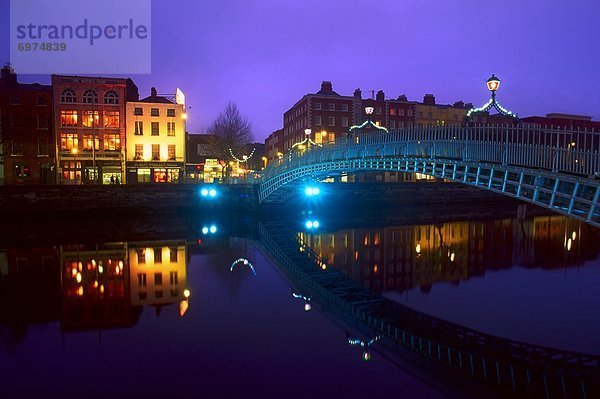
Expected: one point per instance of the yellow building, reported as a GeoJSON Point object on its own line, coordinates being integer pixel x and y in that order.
{"type": "Point", "coordinates": [155, 139]}
{"type": "Point", "coordinates": [428, 113]}
{"type": "Point", "coordinates": [158, 272]}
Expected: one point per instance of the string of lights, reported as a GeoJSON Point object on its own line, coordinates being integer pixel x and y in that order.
{"type": "Point", "coordinates": [245, 158]}
{"type": "Point", "coordinates": [242, 261]}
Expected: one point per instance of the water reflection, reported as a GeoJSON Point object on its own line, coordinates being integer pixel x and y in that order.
{"type": "Point", "coordinates": [404, 257]}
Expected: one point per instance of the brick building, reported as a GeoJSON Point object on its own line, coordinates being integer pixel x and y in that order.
{"type": "Point", "coordinates": [89, 120]}
{"type": "Point", "coordinates": [26, 138]}
{"type": "Point", "coordinates": [564, 121]}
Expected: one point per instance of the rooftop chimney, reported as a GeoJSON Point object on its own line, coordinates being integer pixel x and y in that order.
{"type": "Point", "coordinates": [357, 94]}
{"type": "Point", "coordinates": [153, 92]}
{"type": "Point", "coordinates": [380, 96]}
{"type": "Point", "coordinates": [8, 75]}
{"type": "Point", "coordinates": [459, 104]}
{"type": "Point", "coordinates": [402, 97]}
{"type": "Point", "coordinates": [326, 86]}
{"type": "Point", "coordinates": [429, 99]}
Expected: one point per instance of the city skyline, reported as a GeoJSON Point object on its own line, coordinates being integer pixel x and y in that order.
{"type": "Point", "coordinates": [264, 56]}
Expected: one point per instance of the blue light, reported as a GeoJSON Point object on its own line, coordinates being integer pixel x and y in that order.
{"type": "Point", "coordinates": [213, 229]}
{"type": "Point", "coordinates": [212, 192]}
{"type": "Point", "coordinates": [312, 191]}
{"type": "Point", "coordinates": [312, 224]}
{"type": "Point", "coordinates": [309, 224]}
{"type": "Point", "coordinates": [316, 224]}
{"type": "Point", "coordinates": [205, 230]}
{"type": "Point", "coordinates": [204, 192]}
{"type": "Point", "coordinates": [316, 191]}
{"type": "Point", "coordinates": [308, 191]}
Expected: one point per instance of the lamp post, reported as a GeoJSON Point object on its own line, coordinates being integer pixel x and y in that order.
{"type": "Point", "coordinates": [493, 84]}
{"type": "Point", "coordinates": [74, 152]}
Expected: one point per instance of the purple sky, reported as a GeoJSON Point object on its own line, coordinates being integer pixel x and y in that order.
{"type": "Point", "coordinates": [265, 54]}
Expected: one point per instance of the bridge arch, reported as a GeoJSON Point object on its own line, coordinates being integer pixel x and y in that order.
{"type": "Point", "coordinates": [544, 167]}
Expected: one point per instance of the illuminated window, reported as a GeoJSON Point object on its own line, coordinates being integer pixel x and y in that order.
{"type": "Point", "coordinates": [68, 118]}
{"type": "Point", "coordinates": [392, 111]}
{"type": "Point", "coordinates": [88, 140]}
{"type": "Point", "coordinates": [157, 278]}
{"type": "Point", "coordinates": [170, 128]}
{"type": "Point", "coordinates": [69, 141]}
{"type": "Point", "coordinates": [141, 279]}
{"type": "Point", "coordinates": [154, 112]}
{"type": "Point", "coordinates": [112, 141]}
{"type": "Point", "coordinates": [173, 278]}
{"type": "Point", "coordinates": [173, 255]}
{"type": "Point", "coordinates": [22, 170]}
{"type": "Point", "coordinates": [68, 96]}
{"type": "Point", "coordinates": [139, 151]}
{"type": "Point", "coordinates": [366, 240]}
{"type": "Point", "coordinates": [141, 256]}
{"type": "Point", "coordinates": [171, 112]}
{"type": "Point", "coordinates": [154, 128]}
{"type": "Point", "coordinates": [111, 119]}
{"type": "Point", "coordinates": [72, 171]}
{"type": "Point", "coordinates": [171, 151]}
{"type": "Point", "coordinates": [317, 120]}
{"type": "Point", "coordinates": [138, 111]}
{"type": "Point", "coordinates": [90, 97]}
{"type": "Point", "coordinates": [111, 97]}
{"type": "Point", "coordinates": [139, 128]}
{"type": "Point", "coordinates": [91, 118]}
{"type": "Point", "coordinates": [157, 255]}
{"type": "Point", "coordinates": [344, 121]}
{"type": "Point", "coordinates": [318, 106]}
{"type": "Point", "coordinates": [155, 152]}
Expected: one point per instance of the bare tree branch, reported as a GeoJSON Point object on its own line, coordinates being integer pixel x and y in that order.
{"type": "Point", "coordinates": [231, 130]}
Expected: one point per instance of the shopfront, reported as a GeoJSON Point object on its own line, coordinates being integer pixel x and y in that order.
{"type": "Point", "coordinates": [154, 172]}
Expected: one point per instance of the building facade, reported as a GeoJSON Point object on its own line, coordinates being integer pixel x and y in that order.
{"type": "Point", "coordinates": [564, 121]}
{"type": "Point", "coordinates": [155, 139]}
{"type": "Point", "coordinates": [26, 137]}
{"type": "Point", "coordinates": [428, 113]}
{"type": "Point", "coordinates": [90, 120]}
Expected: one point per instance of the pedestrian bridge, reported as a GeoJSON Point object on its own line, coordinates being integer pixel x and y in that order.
{"type": "Point", "coordinates": [553, 168]}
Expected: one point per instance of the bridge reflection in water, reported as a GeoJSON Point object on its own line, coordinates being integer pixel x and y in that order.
{"type": "Point", "coordinates": [344, 272]}
{"type": "Point", "coordinates": [95, 287]}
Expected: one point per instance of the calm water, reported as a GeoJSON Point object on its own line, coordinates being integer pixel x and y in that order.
{"type": "Point", "coordinates": [170, 316]}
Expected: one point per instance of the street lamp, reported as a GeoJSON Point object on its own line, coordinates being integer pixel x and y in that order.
{"type": "Point", "coordinates": [493, 84]}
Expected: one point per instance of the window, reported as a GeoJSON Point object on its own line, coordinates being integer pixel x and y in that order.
{"type": "Point", "coordinates": [15, 119]}
{"type": "Point", "coordinates": [43, 147]}
{"type": "Point", "coordinates": [331, 121]}
{"type": "Point", "coordinates": [90, 97]}
{"type": "Point", "coordinates": [155, 152]}
{"type": "Point", "coordinates": [42, 121]}
{"type": "Point", "coordinates": [154, 112]}
{"type": "Point", "coordinates": [141, 256]}
{"type": "Point", "coordinates": [111, 97]}
{"type": "Point", "coordinates": [68, 96]}
{"type": "Point", "coordinates": [154, 128]}
{"type": "Point", "coordinates": [420, 114]}
{"type": "Point", "coordinates": [344, 121]}
{"type": "Point", "coordinates": [318, 106]}
{"type": "Point", "coordinates": [141, 279]}
{"type": "Point", "coordinates": [344, 107]}
{"type": "Point", "coordinates": [139, 151]}
{"type": "Point", "coordinates": [139, 128]}
{"type": "Point", "coordinates": [392, 111]}
{"type": "Point", "coordinates": [142, 295]}
{"type": "Point", "coordinates": [171, 149]}
{"type": "Point", "coordinates": [378, 110]}
{"type": "Point", "coordinates": [317, 120]}
{"type": "Point", "coordinates": [22, 170]}
{"type": "Point", "coordinates": [69, 141]}
{"type": "Point", "coordinates": [331, 106]}
{"type": "Point", "coordinates": [409, 112]}
{"type": "Point", "coordinates": [88, 140]}
{"type": "Point", "coordinates": [158, 294]}
{"type": "Point", "coordinates": [392, 124]}
{"type": "Point", "coordinates": [170, 128]}
{"type": "Point", "coordinates": [111, 119]}
{"type": "Point", "coordinates": [157, 278]}
{"type": "Point", "coordinates": [173, 280]}
{"type": "Point", "coordinates": [41, 101]}
{"type": "Point", "coordinates": [112, 141]}
{"type": "Point", "coordinates": [138, 111]}
{"type": "Point", "coordinates": [16, 148]}
{"type": "Point", "coordinates": [157, 255]}
{"type": "Point", "coordinates": [400, 112]}
{"type": "Point", "coordinates": [68, 118]}
{"type": "Point", "coordinates": [171, 112]}
{"type": "Point", "coordinates": [173, 255]}
{"type": "Point", "coordinates": [91, 118]}
{"type": "Point", "coordinates": [72, 171]}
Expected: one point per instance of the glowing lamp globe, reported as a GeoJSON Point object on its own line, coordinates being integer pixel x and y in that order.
{"type": "Point", "coordinates": [369, 110]}
{"type": "Point", "coordinates": [493, 83]}
{"type": "Point", "coordinates": [307, 307]}
{"type": "Point", "coordinates": [307, 132]}
{"type": "Point", "coordinates": [366, 356]}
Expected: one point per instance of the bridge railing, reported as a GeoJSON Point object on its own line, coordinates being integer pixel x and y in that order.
{"type": "Point", "coordinates": [568, 151]}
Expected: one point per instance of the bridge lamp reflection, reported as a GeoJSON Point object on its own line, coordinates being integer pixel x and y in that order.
{"type": "Point", "coordinates": [312, 191]}
{"type": "Point", "coordinates": [212, 229]}
{"type": "Point", "coordinates": [186, 293]}
{"type": "Point", "coordinates": [573, 236]}
{"type": "Point", "coordinates": [208, 192]}
{"type": "Point", "coordinates": [312, 224]}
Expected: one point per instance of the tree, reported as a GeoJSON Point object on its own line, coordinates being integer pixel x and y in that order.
{"type": "Point", "coordinates": [230, 131]}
